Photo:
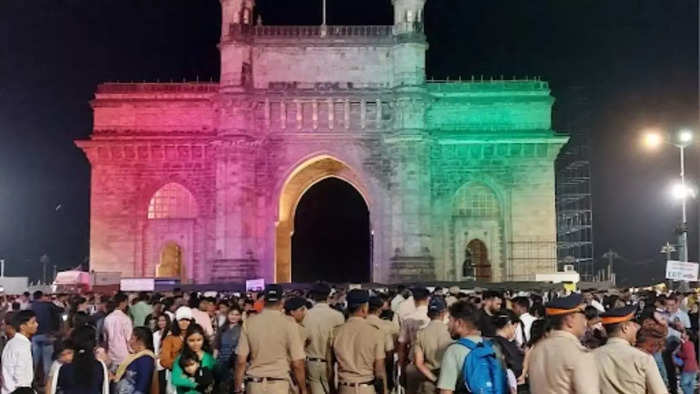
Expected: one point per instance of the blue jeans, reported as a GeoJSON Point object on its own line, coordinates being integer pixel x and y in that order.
{"type": "Point", "coordinates": [42, 351]}
{"type": "Point", "coordinates": [688, 382]}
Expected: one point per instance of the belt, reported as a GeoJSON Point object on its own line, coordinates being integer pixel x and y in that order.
{"type": "Point", "coordinates": [320, 360]}
{"type": "Point", "coordinates": [251, 379]}
{"type": "Point", "coordinates": [358, 384]}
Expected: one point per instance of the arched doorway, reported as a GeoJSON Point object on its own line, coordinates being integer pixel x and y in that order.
{"type": "Point", "coordinates": [170, 265]}
{"type": "Point", "coordinates": [478, 259]}
{"type": "Point", "coordinates": [331, 239]}
{"type": "Point", "coordinates": [301, 180]}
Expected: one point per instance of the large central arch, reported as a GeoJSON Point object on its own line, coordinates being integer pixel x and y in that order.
{"type": "Point", "coordinates": [298, 182]}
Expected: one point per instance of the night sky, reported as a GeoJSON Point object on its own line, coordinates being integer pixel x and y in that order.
{"type": "Point", "coordinates": [614, 66]}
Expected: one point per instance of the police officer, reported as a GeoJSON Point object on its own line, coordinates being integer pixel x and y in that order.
{"type": "Point", "coordinates": [272, 342]}
{"type": "Point", "coordinates": [386, 327]}
{"type": "Point", "coordinates": [359, 350]}
{"type": "Point", "coordinates": [622, 368]}
{"type": "Point", "coordinates": [295, 309]}
{"type": "Point", "coordinates": [320, 321]}
{"type": "Point", "coordinates": [407, 338]}
{"type": "Point", "coordinates": [431, 343]}
{"type": "Point", "coordinates": [559, 364]}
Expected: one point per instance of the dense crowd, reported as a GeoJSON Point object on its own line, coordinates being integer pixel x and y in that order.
{"type": "Point", "coordinates": [328, 340]}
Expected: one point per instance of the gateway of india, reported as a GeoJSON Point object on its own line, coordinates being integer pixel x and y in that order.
{"type": "Point", "coordinates": [200, 181]}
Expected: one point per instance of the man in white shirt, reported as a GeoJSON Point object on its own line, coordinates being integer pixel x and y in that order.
{"type": "Point", "coordinates": [589, 299]}
{"type": "Point", "coordinates": [521, 307]}
{"type": "Point", "coordinates": [398, 299]}
{"type": "Point", "coordinates": [17, 364]}
{"type": "Point", "coordinates": [677, 316]}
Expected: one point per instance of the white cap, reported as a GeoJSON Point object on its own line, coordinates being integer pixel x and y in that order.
{"type": "Point", "coordinates": [183, 312]}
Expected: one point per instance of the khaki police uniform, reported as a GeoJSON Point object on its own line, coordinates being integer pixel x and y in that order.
{"type": "Point", "coordinates": [559, 364]}
{"type": "Point", "coordinates": [385, 327]}
{"type": "Point", "coordinates": [409, 328]}
{"type": "Point", "coordinates": [303, 334]}
{"type": "Point", "coordinates": [624, 369]}
{"type": "Point", "coordinates": [432, 341]}
{"type": "Point", "coordinates": [272, 342]}
{"type": "Point", "coordinates": [357, 345]}
{"type": "Point", "coordinates": [319, 322]}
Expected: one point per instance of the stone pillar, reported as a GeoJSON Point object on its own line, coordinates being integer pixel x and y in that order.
{"type": "Point", "coordinates": [235, 258]}
{"type": "Point", "coordinates": [409, 146]}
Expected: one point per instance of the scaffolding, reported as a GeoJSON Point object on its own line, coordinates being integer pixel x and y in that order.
{"type": "Point", "coordinates": [574, 201]}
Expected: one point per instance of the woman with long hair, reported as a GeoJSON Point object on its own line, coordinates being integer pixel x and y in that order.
{"type": "Point", "coordinates": [172, 344]}
{"type": "Point", "coordinates": [227, 341]}
{"type": "Point", "coordinates": [195, 374]}
{"type": "Point", "coordinates": [86, 374]}
{"type": "Point", "coordinates": [539, 330]}
{"type": "Point", "coordinates": [135, 373]}
{"type": "Point", "coordinates": [161, 332]}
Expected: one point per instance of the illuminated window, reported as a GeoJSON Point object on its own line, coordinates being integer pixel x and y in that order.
{"type": "Point", "coordinates": [172, 201]}
{"type": "Point", "coordinates": [476, 201]}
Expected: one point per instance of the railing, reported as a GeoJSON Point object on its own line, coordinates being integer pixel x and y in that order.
{"type": "Point", "coordinates": [150, 87]}
{"type": "Point", "coordinates": [312, 31]}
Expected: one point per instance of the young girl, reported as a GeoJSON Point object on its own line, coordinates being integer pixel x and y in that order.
{"type": "Point", "coordinates": [197, 347]}
{"type": "Point", "coordinates": [226, 343]}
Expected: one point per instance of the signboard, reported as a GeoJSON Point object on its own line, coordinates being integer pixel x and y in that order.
{"type": "Point", "coordinates": [137, 284]}
{"type": "Point", "coordinates": [255, 285]}
{"type": "Point", "coordinates": [679, 270]}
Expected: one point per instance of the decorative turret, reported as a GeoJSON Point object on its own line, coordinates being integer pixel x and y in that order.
{"type": "Point", "coordinates": [235, 12]}
{"type": "Point", "coordinates": [236, 18]}
{"type": "Point", "coordinates": [411, 44]}
{"type": "Point", "coordinates": [408, 16]}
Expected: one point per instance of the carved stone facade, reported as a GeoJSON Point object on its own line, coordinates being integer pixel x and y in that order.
{"type": "Point", "coordinates": [208, 175]}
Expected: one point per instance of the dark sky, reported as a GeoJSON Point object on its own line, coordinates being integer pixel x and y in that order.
{"type": "Point", "coordinates": [626, 64]}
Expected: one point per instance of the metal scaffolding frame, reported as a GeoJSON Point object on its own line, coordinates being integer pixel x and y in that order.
{"type": "Point", "coordinates": [574, 201]}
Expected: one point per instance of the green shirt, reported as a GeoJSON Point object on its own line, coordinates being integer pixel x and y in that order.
{"type": "Point", "coordinates": [139, 311]}
{"type": "Point", "coordinates": [451, 366]}
{"type": "Point", "coordinates": [182, 382]}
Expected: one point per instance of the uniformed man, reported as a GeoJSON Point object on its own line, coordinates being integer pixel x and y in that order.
{"type": "Point", "coordinates": [376, 304]}
{"type": "Point", "coordinates": [273, 344]}
{"type": "Point", "coordinates": [407, 338]}
{"type": "Point", "coordinates": [431, 343]}
{"type": "Point", "coordinates": [320, 321]}
{"type": "Point", "coordinates": [358, 349]}
{"type": "Point", "coordinates": [622, 368]}
{"type": "Point", "coordinates": [295, 309]}
{"type": "Point", "coordinates": [559, 364]}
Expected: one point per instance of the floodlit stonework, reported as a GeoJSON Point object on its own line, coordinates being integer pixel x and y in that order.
{"type": "Point", "coordinates": [200, 180]}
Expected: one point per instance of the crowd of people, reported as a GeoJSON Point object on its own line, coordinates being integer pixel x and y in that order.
{"type": "Point", "coordinates": [350, 341]}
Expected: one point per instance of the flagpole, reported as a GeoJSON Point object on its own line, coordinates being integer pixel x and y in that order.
{"type": "Point", "coordinates": [323, 23]}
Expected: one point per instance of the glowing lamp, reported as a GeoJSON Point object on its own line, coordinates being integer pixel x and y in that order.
{"type": "Point", "coordinates": [685, 136]}
{"type": "Point", "coordinates": [652, 139]}
{"type": "Point", "coordinates": [682, 192]}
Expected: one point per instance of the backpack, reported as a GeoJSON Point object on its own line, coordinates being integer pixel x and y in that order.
{"type": "Point", "coordinates": [482, 371]}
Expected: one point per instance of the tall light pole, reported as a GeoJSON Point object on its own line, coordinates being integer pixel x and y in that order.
{"type": "Point", "coordinates": [684, 139]}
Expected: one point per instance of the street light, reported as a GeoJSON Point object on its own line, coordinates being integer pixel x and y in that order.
{"type": "Point", "coordinates": [654, 138]}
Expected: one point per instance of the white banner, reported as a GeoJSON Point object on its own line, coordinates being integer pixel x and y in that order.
{"type": "Point", "coordinates": [678, 270]}
{"type": "Point", "coordinates": [137, 284]}
{"type": "Point", "coordinates": [255, 285]}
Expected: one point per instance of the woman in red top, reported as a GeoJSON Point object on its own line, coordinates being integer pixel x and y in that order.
{"type": "Point", "coordinates": [690, 364]}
